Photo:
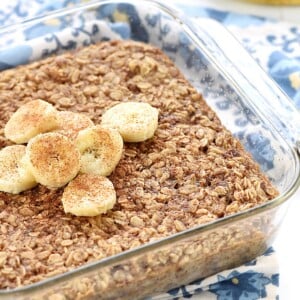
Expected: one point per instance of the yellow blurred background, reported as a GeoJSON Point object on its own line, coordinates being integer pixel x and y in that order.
{"type": "Point", "coordinates": [277, 2]}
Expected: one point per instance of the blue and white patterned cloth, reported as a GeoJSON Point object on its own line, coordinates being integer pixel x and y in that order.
{"type": "Point", "coordinates": [257, 279]}
{"type": "Point", "coordinates": [274, 45]}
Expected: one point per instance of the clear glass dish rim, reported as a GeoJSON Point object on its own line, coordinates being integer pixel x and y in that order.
{"type": "Point", "coordinates": [94, 266]}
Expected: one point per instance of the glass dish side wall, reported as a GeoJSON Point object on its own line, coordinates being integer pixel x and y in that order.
{"type": "Point", "coordinates": [161, 266]}
{"type": "Point", "coordinates": [197, 252]}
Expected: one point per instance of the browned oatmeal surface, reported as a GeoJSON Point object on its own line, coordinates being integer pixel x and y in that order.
{"type": "Point", "coordinates": [193, 171]}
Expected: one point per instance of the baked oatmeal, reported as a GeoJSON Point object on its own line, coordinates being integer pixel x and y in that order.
{"type": "Point", "coordinates": [193, 171]}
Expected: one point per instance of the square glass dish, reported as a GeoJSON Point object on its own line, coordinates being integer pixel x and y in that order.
{"type": "Point", "coordinates": [246, 100]}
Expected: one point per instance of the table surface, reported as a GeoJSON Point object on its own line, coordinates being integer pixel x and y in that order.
{"type": "Point", "coordinates": [287, 243]}
{"type": "Point", "coordinates": [287, 246]}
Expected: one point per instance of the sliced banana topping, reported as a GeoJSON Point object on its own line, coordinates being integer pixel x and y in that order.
{"type": "Point", "coordinates": [52, 159]}
{"type": "Point", "coordinates": [14, 178]}
{"type": "Point", "coordinates": [70, 123]}
{"type": "Point", "coordinates": [100, 148]}
{"type": "Point", "coordinates": [29, 120]}
{"type": "Point", "coordinates": [89, 195]}
{"type": "Point", "coordinates": [75, 145]}
{"type": "Point", "coordinates": [136, 121]}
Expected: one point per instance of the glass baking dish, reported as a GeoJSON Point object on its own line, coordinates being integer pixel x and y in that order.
{"type": "Point", "coordinates": [245, 99]}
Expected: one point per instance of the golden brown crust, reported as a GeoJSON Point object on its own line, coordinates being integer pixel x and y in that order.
{"type": "Point", "coordinates": [101, 149]}
{"type": "Point", "coordinates": [89, 195]}
{"type": "Point", "coordinates": [193, 171]}
{"type": "Point", "coordinates": [36, 116]}
{"type": "Point", "coordinates": [70, 123]}
{"type": "Point", "coordinates": [136, 121]}
{"type": "Point", "coordinates": [18, 151]}
{"type": "Point", "coordinates": [14, 178]}
{"type": "Point", "coordinates": [52, 159]}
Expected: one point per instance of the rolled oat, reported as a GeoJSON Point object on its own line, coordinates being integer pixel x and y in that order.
{"type": "Point", "coordinates": [191, 172]}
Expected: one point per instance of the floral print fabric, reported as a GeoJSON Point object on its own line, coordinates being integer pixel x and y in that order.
{"type": "Point", "coordinates": [255, 280]}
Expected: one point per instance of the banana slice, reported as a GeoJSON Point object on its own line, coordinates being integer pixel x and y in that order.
{"type": "Point", "coordinates": [70, 123]}
{"type": "Point", "coordinates": [14, 178]}
{"type": "Point", "coordinates": [52, 159]}
{"type": "Point", "coordinates": [89, 195]}
{"type": "Point", "coordinates": [136, 121]}
{"type": "Point", "coordinates": [29, 120]}
{"type": "Point", "coordinates": [100, 148]}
